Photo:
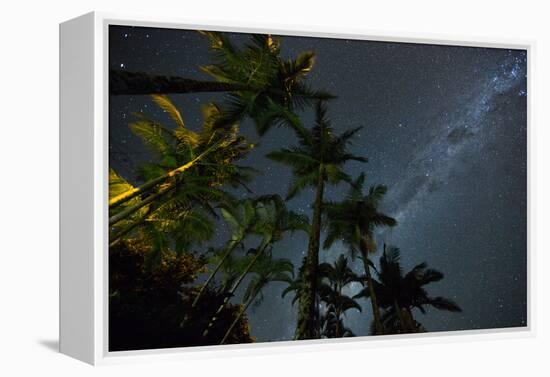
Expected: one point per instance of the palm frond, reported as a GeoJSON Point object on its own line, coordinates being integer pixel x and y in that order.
{"type": "Point", "coordinates": [294, 158]}
{"type": "Point", "coordinates": [154, 136]}
{"type": "Point", "coordinates": [165, 104]}
{"type": "Point", "coordinates": [442, 303]}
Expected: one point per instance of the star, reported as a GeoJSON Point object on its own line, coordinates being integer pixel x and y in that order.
{"type": "Point", "coordinates": [457, 204]}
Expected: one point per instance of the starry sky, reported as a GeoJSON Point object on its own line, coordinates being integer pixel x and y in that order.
{"type": "Point", "coordinates": [445, 128]}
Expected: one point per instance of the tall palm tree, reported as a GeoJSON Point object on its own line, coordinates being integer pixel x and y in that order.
{"type": "Point", "coordinates": [266, 270]}
{"type": "Point", "coordinates": [317, 160]}
{"type": "Point", "coordinates": [273, 220]}
{"type": "Point", "coordinates": [336, 277]}
{"type": "Point", "coordinates": [399, 293]}
{"type": "Point", "coordinates": [258, 82]}
{"type": "Point", "coordinates": [185, 180]}
{"type": "Point", "coordinates": [353, 221]}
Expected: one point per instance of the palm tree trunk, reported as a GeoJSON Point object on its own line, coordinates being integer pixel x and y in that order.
{"type": "Point", "coordinates": [373, 300]}
{"type": "Point", "coordinates": [399, 312]}
{"type": "Point", "coordinates": [127, 195]}
{"type": "Point", "coordinates": [228, 252]}
{"type": "Point", "coordinates": [306, 324]}
{"type": "Point", "coordinates": [130, 210]}
{"type": "Point", "coordinates": [236, 320]}
{"type": "Point", "coordinates": [410, 321]}
{"type": "Point", "coordinates": [234, 287]}
{"type": "Point", "coordinates": [135, 83]}
{"type": "Point", "coordinates": [115, 238]}
{"type": "Point", "coordinates": [338, 314]}
{"type": "Point", "coordinates": [124, 82]}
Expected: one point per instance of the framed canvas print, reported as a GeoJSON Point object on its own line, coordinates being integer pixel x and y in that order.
{"type": "Point", "coordinates": [226, 188]}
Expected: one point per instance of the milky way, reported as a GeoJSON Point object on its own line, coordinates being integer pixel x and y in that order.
{"type": "Point", "coordinates": [444, 129]}
{"type": "Point", "coordinates": [454, 136]}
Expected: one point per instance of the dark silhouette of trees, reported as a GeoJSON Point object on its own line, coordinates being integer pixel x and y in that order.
{"type": "Point", "coordinates": [266, 270]}
{"type": "Point", "coordinates": [331, 303]}
{"type": "Point", "coordinates": [168, 285]}
{"type": "Point", "coordinates": [316, 160]}
{"type": "Point", "coordinates": [399, 293]}
{"type": "Point", "coordinates": [148, 301]}
{"type": "Point", "coordinates": [354, 221]}
{"type": "Point", "coordinates": [272, 221]}
{"type": "Point", "coordinates": [242, 220]}
{"type": "Point", "coordinates": [335, 278]}
{"type": "Point", "coordinates": [258, 83]}
{"type": "Point", "coordinates": [300, 287]}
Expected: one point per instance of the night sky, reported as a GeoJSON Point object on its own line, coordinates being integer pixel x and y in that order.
{"type": "Point", "coordinates": [444, 129]}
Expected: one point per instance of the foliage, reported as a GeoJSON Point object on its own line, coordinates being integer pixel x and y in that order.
{"type": "Point", "coordinates": [356, 217]}
{"type": "Point", "coordinates": [149, 302]}
{"type": "Point", "coordinates": [354, 221]}
{"type": "Point", "coordinates": [183, 204]}
{"type": "Point", "coordinates": [266, 270]}
{"type": "Point", "coordinates": [399, 293]}
{"type": "Point", "coordinates": [170, 287]}
{"type": "Point", "coordinates": [335, 278]}
{"type": "Point", "coordinates": [272, 220]}
{"type": "Point", "coordinates": [331, 281]}
{"type": "Point", "coordinates": [272, 88]}
{"type": "Point", "coordinates": [317, 159]}
{"type": "Point", "coordinates": [319, 152]}
{"type": "Point", "coordinates": [265, 216]}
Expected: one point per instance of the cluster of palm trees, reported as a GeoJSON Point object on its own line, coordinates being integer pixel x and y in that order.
{"type": "Point", "coordinates": [185, 193]}
{"type": "Point", "coordinates": [331, 301]}
{"type": "Point", "coordinates": [398, 294]}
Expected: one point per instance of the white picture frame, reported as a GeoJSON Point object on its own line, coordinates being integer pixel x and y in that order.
{"type": "Point", "coordinates": [84, 192]}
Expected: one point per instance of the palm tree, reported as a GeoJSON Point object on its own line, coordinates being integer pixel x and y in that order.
{"type": "Point", "coordinates": [265, 271]}
{"type": "Point", "coordinates": [272, 221]}
{"type": "Point", "coordinates": [184, 181]}
{"type": "Point", "coordinates": [399, 293]}
{"type": "Point", "coordinates": [332, 323]}
{"type": "Point", "coordinates": [179, 149]}
{"type": "Point", "coordinates": [258, 82]}
{"type": "Point", "coordinates": [316, 161]}
{"type": "Point", "coordinates": [354, 221]}
{"type": "Point", "coordinates": [300, 288]}
{"type": "Point", "coordinates": [336, 277]}
{"type": "Point", "coordinates": [241, 218]}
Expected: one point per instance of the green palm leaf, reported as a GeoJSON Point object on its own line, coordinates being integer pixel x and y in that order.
{"type": "Point", "coordinates": [165, 104]}
{"type": "Point", "coordinates": [154, 136]}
